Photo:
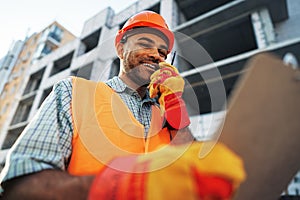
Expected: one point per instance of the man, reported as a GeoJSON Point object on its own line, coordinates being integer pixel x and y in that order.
{"type": "Point", "coordinates": [86, 130]}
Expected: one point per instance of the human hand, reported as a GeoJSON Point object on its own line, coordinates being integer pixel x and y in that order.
{"type": "Point", "coordinates": [171, 173]}
{"type": "Point", "coordinates": [165, 81]}
{"type": "Point", "coordinates": [168, 84]}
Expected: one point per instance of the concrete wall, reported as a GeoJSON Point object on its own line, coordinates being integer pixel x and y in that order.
{"type": "Point", "coordinates": [290, 28]}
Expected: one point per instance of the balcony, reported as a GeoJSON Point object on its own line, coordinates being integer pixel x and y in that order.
{"type": "Point", "coordinates": [205, 81]}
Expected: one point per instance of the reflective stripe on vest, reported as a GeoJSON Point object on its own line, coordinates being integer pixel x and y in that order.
{"type": "Point", "coordinates": [105, 128]}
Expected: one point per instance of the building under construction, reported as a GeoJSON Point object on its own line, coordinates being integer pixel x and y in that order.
{"type": "Point", "coordinates": [214, 40]}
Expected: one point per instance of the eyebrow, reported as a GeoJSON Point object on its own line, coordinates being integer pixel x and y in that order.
{"type": "Point", "coordinates": [152, 42]}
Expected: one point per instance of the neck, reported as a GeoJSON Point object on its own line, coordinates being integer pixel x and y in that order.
{"type": "Point", "coordinates": [141, 90]}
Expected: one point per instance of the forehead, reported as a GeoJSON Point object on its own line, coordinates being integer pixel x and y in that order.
{"type": "Point", "coordinates": [149, 38]}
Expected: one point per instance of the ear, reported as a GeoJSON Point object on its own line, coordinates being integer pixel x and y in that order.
{"type": "Point", "coordinates": [120, 50]}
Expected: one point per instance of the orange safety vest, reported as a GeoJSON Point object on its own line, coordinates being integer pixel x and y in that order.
{"type": "Point", "coordinates": [104, 128]}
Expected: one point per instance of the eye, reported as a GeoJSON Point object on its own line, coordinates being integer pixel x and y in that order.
{"type": "Point", "coordinates": [145, 45]}
{"type": "Point", "coordinates": [163, 52]}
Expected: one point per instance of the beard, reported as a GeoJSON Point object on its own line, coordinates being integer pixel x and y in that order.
{"type": "Point", "coordinates": [137, 71]}
{"type": "Point", "coordinates": [138, 76]}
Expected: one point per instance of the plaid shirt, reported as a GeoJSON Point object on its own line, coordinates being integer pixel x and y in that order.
{"type": "Point", "coordinates": [46, 143]}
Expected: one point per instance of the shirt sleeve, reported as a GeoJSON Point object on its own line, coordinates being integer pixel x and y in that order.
{"type": "Point", "coordinates": [46, 142]}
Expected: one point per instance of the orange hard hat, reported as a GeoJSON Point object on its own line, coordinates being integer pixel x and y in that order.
{"type": "Point", "coordinates": [147, 19]}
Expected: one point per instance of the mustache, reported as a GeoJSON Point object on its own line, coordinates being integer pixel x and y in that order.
{"type": "Point", "coordinates": [149, 60]}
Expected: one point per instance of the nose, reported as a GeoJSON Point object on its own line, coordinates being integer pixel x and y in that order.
{"type": "Point", "coordinates": [156, 56]}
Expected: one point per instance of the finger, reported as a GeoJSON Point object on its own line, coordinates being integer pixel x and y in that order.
{"type": "Point", "coordinates": [168, 71]}
{"type": "Point", "coordinates": [155, 75]}
{"type": "Point", "coordinates": [153, 90]}
{"type": "Point", "coordinates": [161, 75]}
{"type": "Point", "coordinates": [164, 65]}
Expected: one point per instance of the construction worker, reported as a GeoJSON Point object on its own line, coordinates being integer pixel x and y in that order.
{"type": "Point", "coordinates": [127, 138]}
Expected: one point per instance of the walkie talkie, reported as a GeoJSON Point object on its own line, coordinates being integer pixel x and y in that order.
{"type": "Point", "coordinates": [173, 58]}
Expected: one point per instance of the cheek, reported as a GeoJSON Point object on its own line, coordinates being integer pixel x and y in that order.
{"type": "Point", "coordinates": [128, 56]}
{"type": "Point", "coordinates": [131, 58]}
{"type": "Point", "coordinates": [128, 61]}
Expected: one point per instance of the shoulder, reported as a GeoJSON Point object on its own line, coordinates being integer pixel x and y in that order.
{"type": "Point", "coordinates": [116, 84]}
{"type": "Point", "coordinates": [64, 85]}
{"type": "Point", "coordinates": [61, 92]}
{"type": "Point", "coordinates": [81, 82]}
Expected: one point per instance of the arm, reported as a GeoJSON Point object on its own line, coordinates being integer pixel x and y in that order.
{"type": "Point", "coordinates": [168, 85]}
{"type": "Point", "coordinates": [37, 162]}
{"type": "Point", "coordinates": [183, 136]}
{"type": "Point", "coordinates": [171, 173]}
{"type": "Point", "coordinates": [48, 184]}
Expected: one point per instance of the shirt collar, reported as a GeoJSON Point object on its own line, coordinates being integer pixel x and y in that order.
{"type": "Point", "coordinates": [116, 84]}
{"type": "Point", "coordinates": [120, 87]}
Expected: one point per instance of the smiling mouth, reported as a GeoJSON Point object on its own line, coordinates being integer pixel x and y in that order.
{"type": "Point", "coordinates": [151, 66]}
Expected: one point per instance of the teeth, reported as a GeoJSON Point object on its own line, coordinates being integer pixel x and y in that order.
{"type": "Point", "coordinates": [149, 65]}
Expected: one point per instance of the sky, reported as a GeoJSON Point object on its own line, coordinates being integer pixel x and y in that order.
{"type": "Point", "coordinates": [19, 18]}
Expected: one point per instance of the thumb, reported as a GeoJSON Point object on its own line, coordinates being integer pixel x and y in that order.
{"type": "Point", "coordinates": [153, 90]}
{"type": "Point", "coordinates": [165, 64]}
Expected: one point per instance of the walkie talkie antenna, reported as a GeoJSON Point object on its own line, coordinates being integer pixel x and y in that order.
{"type": "Point", "coordinates": [173, 58]}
